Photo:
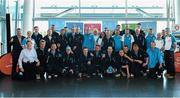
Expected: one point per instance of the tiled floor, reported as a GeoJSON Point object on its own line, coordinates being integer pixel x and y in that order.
{"type": "Point", "coordinates": [94, 87]}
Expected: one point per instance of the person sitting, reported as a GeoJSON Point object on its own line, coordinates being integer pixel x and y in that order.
{"type": "Point", "coordinates": [54, 62]}
{"type": "Point", "coordinates": [121, 62]}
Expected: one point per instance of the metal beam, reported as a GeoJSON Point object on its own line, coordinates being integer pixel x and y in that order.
{"type": "Point", "coordinates": [108, 18]}
{"type": "Point", "coordinates": [113, 7]}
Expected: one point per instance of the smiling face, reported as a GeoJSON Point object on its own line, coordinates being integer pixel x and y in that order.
{"type": "Point", "coordinates": [121, 53]}
{"type": "Point", "coordinates": [29, 44]}
{"type": "Point", "coordinates": [85, 51]}
{"type": "Point", "coordinates": [110, 50]}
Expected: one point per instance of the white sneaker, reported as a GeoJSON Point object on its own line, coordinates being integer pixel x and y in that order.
{"type": "Point", "coordinates": [49, 76]}
{"type": "Point", "coordinates": [117, 75]}
{"type": "Point", "coordinates": [158, 76]}
{"type": "Point", "coordinates": [38, 77]}
{"type": "Point", "coordinates": [55, 76]}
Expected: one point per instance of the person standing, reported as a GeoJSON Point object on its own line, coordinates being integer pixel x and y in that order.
{"type": "Point", "coordinates": [150, 38]}
{"type": "Point", "coordinates": [127, 39]}
{"type": "Point", "coordinates": [16, 42]}
{"type": "Point", "coordinates": [170, 46]}
{"type": "Point", "coordinates": [36, 35]}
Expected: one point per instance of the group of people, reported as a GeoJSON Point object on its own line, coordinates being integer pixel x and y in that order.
{"type": "Point", "coordinates": [127, 53]}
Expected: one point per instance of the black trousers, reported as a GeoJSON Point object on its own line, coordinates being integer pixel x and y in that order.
{"type": "Point", "coordinates": [14, 73]}
{"type": "Point", "coordinates": [29, 71]}
{"type": "Point", "coordinates": [86, 69]}
{"type": "Point", "coordinates": [40, 70]}
{"type": "Point", "coordinates": [152, 71]}
{"type": "Point", "coordinates": [136, 69]}
{"type": "Point", "coordinates": [169, 62]}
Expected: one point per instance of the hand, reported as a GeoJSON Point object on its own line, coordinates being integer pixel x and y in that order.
{"type": "Point", "coordinates": [144, 64]}
{"type": "Point", "coordinates": [12, 40]}
{"type": "Point", "coordinates": [162, 49]}
{"type": "Point", "coordinates": [138, 61]}
{"type": "Point", "coordinates": [89, 62]}
{"type": "Point", "coordinates": [21, 69]}
{"type": "Point", "coordinates": [38, 63]}
{"type": "Point", "coordinates": [74, 48]}
{"type": "Point", "coordinates": [103, 56]}
{"type": "Point", "coordinates": [49, 50]}
{"type": "Point", "coordinates": [160, 66]}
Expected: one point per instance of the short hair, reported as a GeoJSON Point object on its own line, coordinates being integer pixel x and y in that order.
{"type": "Point", "coordinates": [126, 46]}
{"type": "Point", "coordinates": [28, 41]}
{"type": "Point", "coordinates": [42, 41]}
{"type": "Point", "coordinates": [18, 29]}
{"type": "Point", "coordinates": [85, 48]}
{"type": "Point", "coordinates": [150, 29]}
{"type": "Point", "coordinates": [138, 23]}
{"type": "Point", "coordinates": [36, 27]}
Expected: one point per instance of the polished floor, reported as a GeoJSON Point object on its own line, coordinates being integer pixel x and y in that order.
{"type": "Point", "coordinates": [93, 87]}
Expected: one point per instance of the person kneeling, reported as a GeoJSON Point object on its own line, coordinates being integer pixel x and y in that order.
{"type": "Point", "coordinates": [28, 61]}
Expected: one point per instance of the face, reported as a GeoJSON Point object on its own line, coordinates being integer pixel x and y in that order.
{"type": "Point", "coordinates": [125, 49]}
{"type": "Point", "coordinates": [42, 44]}
{"type": "Point", "coordinates": [85, 51]}
{"type": "Point", "coordinates": [53, 28]}
{"type": "Point", "coordinates": [138, 26]}
{"type": "Point", "coordinates": [58, 45]}
{"type": "Point", "coordinates": [110, 50]}
{"type": "Point", "coordinates": [53, 47]}
{"type": "Point", "coordinates": [159, 35]}
{"type": "Point", "coordinates": [137, 31]}
{"type": "Point", "coordinates": [49, 32]}
{"type": "Point", "coordinates": [36, 29]}
{"type": "Point", "coordinates": [29, 34]}
{"type": "Point", "coordinates": [77, 30]}
{"type": "Point", "coordinates": [121, 53]}
{"type": "Point", "coordinates": [62, 31]}
{"type": "Point", "coordinates": [68, 51]}
{"type": "Point", "coordinates": [73, 30]}
{"type": "Point", "coordinates": [97, 48]}
{"type": "Point", "coordinates": [66, 30]}
{"type": "Point", "coordinates": [153, 45]}
{"type": "Point", "coordinates": [167, 32]}
{"type": "Point", "coordinates": [102, 34]}
{"type": "Point", "coordinates": [151, 32]}
{"type": "Point", "coordinates": [117, 32]}
{"type": "Point", "coordinates": [95, 32]}
{"type": "Point", "coordinates": [107, 33]}
{"type": "Point", "coordinates": [163, 32]}
{"type": "Point", "coordinates": [29, 45]}
{"type": "Point", "coordinates": [88, 31]}
{"type": "Point", "coordinates": [127, 31]}
{"type": "Point", "coordinates": [118, 27]}
{"type": "Point", "coordinates": [135, 48]}
{"type": "Point", "coordinates": [18, 32]}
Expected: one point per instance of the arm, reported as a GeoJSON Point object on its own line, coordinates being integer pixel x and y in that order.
{"type": "Point", "coordinates": [20, 60]}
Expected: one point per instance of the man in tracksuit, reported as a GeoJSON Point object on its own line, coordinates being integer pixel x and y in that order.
{"type": "Point", "coordinates": [154, 61]}
{"type": "Point", "coordinates": [85, 64]}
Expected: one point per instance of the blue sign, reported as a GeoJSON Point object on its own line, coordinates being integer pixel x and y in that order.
{"type": "Point", "coordinates": [70, 25]}
{"type": "Point", "coordinates": [59, 23]}
{"type": "Point", "coordinates": [147, 25]}
{"type": "Point", "coordinates": [111, 25]}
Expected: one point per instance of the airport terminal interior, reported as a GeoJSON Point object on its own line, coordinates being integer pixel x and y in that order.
{"type": "Point", "coordinates": [89, 48]}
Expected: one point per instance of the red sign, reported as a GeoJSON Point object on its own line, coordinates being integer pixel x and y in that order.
{"type": "Point", "coordinates": [177, 62]}
{"type": "Point", "coordinates": [6, 64]}
{"type": "Point", "coordinates": [92, 26]}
